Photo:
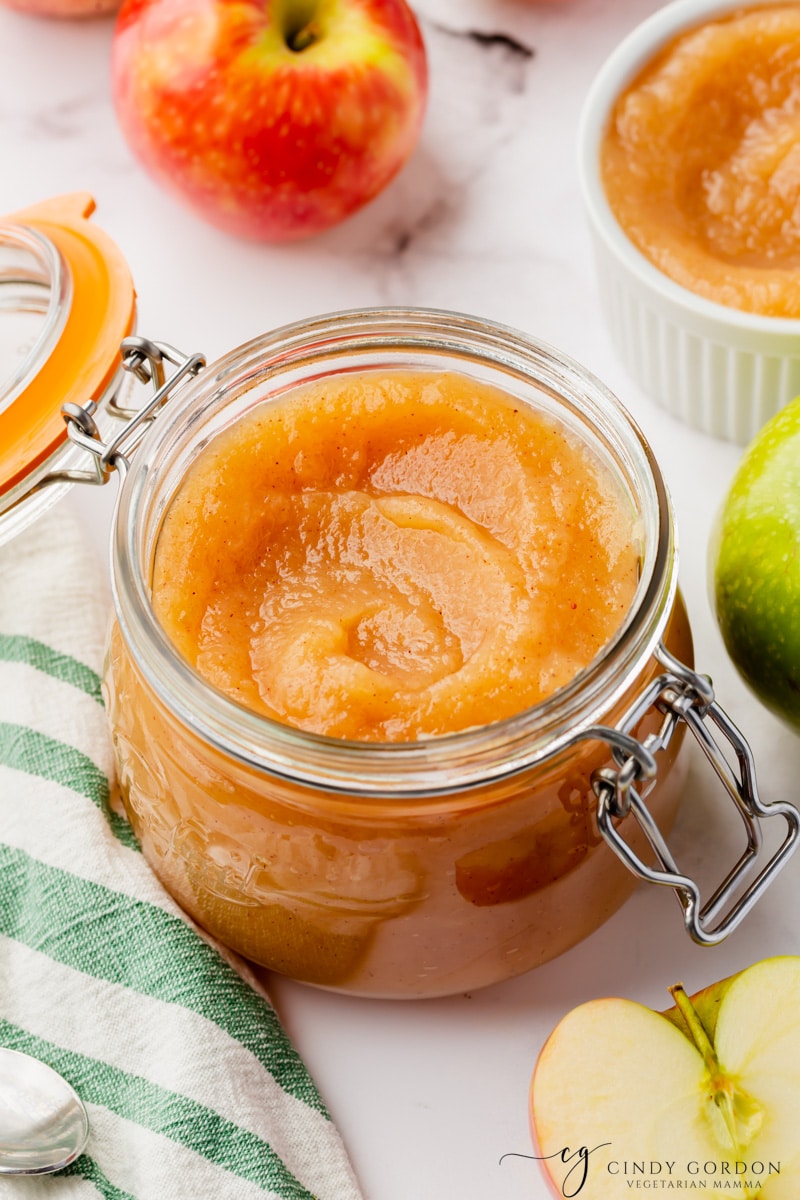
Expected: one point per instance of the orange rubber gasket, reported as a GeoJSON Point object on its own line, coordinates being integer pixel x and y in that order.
{"type": "Point", "coordinates": [87, 354]}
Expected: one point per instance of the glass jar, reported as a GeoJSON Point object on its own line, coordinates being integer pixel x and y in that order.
{"type": "Point", "coordinates": [417, 868]}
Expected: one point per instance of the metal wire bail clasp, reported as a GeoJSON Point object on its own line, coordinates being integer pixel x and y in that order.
{"type": "Point", "coordinates": [682, 695]}
{"type": "Point", "coordinates": [146, 361]}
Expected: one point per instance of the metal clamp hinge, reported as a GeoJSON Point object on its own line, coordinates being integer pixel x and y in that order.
{"type": "Point", "coordinates": [682, 695]}
{"type": "Point", "coordinates": [146, 361]}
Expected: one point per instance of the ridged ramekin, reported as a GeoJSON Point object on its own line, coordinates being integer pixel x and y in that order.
{"type": "Point", "coordinates": [719, 369]}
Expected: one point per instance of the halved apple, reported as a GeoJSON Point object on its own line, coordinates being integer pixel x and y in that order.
{"type": "Point", "coordinates": [705, 1096]}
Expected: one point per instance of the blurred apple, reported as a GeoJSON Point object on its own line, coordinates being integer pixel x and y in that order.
{"type": "Point", "coordinates": [63, 8]}
{"type": "Point", "coordinates": [272, 119]}
{"type": "Point", "coordinates": [755, 565]}
{"type": "Point", "coordinates": [706, 1093]}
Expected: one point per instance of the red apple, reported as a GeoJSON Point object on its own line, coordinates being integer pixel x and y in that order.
{"type": "Point", "coordinates": [273, 119]}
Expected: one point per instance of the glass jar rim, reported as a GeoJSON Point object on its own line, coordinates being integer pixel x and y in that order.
{"type": "Point", "coordinates": [428, 767]}
{"type": "Point", "coordinates": [51, 277]}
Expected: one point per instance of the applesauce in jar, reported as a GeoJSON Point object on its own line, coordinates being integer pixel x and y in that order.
{"type": "Point", "coordinates": [701, 159]}
{"type": "Point", "coordinates": [394, 556]}
{"type": "Point", "coordinates": [379, 581]}
{"type": "Point", "coordinates": [398, 671]}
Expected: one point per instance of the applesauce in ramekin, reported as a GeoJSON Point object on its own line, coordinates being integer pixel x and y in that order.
{"type": "Point", "coordinates": [700, 162]}
{"type": "Point", "coordinates": [455, 856]}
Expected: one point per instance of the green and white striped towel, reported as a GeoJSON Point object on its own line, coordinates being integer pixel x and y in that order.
{"type": "Point", "coordinates": [193, 1089]}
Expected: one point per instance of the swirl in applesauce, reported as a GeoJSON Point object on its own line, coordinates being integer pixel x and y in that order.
{"type": "Point", "coordinates": [701, 160]}
{"type": "Point", "coordinates": [394, 555]}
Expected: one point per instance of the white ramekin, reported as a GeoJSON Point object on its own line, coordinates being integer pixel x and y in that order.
{"type": "Point", "coordinates": [721, 370]}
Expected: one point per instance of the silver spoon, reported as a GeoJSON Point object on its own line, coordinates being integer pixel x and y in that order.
{"type": "Point", "coordinates": [43, 1124]}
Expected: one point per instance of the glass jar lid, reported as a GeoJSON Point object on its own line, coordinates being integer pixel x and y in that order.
{"type": "Point", "coordinates": [66, 303]}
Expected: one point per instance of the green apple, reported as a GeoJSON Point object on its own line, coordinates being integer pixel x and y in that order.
{"type": "Point", "coordinates": [703, 1097]}
{"type": "Point", "coordinates": [755, 565]}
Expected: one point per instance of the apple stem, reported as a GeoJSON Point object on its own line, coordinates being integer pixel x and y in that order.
{"type": "Point", "coordinates": [696, 1027]}
{"type": "Point", "coordinates": [721, 1090]}
{"type": "Point", "coordinates": [304, 37]}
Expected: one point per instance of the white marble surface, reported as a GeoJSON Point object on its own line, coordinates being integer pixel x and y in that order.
{"type": "Point", "coordinates": [486, 219]}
